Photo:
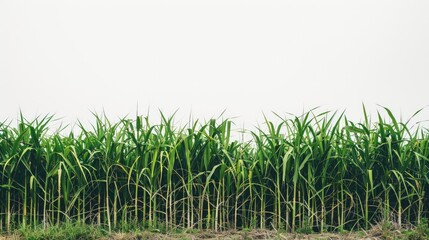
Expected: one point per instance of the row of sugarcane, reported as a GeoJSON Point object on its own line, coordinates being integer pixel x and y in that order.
{"type": "Point", "coordinates": [313, 173]}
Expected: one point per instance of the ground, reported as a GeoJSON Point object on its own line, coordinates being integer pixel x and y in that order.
{"type": "Point", "coordinates": [231, 235]}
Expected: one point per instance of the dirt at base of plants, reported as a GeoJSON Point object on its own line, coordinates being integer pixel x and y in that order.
{"type": "Point", "coordinates": [257, 234]}
{"type": "Point", "coordinates": [372, 234]}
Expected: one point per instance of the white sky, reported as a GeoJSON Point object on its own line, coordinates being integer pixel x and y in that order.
{"type": "Point", "coordinates": [72, 57]}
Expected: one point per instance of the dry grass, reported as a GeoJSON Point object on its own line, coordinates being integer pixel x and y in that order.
{"type": "Point", "coordinates": [373, 234]}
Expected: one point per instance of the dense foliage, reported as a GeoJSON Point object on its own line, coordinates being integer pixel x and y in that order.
{"type": "Point", "coordinates": [315, 172]}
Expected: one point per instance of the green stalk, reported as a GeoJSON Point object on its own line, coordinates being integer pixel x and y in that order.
{"type": "Point", "coordinates": [59, 196]}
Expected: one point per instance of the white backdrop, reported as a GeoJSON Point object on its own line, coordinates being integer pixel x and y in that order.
{"type": "Point", "coordinates": [69, 58]}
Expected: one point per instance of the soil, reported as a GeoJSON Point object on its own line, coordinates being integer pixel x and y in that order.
{"type": "Point", "coordinates": [256, 234]}
{"type": "Point", "coordinates": [372, 234]}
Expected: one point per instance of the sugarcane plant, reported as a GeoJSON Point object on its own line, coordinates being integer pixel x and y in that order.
{"type": "Point", "coordinates": [314, 172]}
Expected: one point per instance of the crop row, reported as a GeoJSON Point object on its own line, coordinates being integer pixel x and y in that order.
{"type": "Point", "coordinates": [314, 172]}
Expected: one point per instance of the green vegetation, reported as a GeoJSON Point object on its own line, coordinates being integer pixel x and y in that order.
{"type": "Point", "coordinates": [66, 231]}
{"type": "Point", "coordinates": [312, 173]}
